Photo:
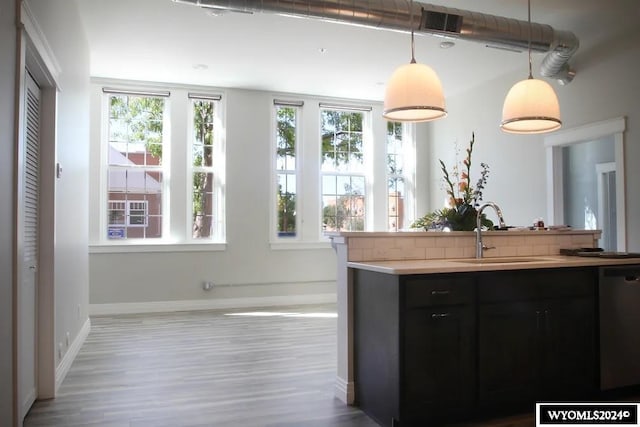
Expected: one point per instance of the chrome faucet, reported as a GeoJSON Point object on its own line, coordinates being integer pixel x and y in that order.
{"type": "Point", "coordinates": [480, 247]}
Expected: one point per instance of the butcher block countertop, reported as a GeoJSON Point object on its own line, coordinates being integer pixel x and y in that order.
{"type": "Point", "coordinates": [435, 266]}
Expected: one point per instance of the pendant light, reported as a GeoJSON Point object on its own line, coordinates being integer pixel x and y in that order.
{"type": "Point", "coordinates": [531, 106]}
{"type": "Point", "coordinates": [414, 92]}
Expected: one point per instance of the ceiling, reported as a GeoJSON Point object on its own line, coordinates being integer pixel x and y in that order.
{"type": "Point", "coordinates": [163, 41]}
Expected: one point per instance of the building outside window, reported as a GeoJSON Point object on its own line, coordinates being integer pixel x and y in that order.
{"type": "Point", "coordinates": [135, 167]}
{"type": "Point", "coordinates": [322, 170]}
{"type": "Point", "coordinates": [138, 163]}
{"type": "Point", "coordinates": [342, 169]}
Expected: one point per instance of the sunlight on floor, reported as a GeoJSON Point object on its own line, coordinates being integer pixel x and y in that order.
{"type": "Point", "coordinates": [280, 314]}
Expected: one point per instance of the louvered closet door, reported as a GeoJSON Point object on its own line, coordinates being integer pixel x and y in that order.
{"type": "Point", "coordinates": [27, 295]}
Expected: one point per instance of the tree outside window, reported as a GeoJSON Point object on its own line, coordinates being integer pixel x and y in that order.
{"type": "Point", "coordinates": [343, 179]}
{"type": "Point", "coordinates": [135, 167]}
{"type": "Point", "coordinates": [395, 176]}
{"type": "Point", "coordinates": [203, 195]}
{"type": "Point", "coordinates": [286, 193]}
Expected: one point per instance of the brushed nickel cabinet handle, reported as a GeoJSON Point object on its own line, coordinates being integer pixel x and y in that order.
{"type": "Point", "coordinates": [547, 320]}
{"type": "Point", "coordinates": [440, 292]}
{"type": "Point", "coordinates": [440, 315]}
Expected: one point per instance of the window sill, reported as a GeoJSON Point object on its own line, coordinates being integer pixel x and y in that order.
{"type": "Point", "coordinates": [284, 246]}
{"type": "Point", "coordinates": [109, 248]}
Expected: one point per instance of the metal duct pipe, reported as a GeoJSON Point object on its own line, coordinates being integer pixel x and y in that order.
{"type": "Point", "coordinates": [556, 63]}
{"type": "Point", "coordinates": [494, 31]}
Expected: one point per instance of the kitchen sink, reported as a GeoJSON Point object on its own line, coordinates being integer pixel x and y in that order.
{"type": "Point", "coordinates": [503, 260]}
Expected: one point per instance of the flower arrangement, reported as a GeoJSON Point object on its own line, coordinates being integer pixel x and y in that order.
{"type": "Point", "coordinates": [463, 199]}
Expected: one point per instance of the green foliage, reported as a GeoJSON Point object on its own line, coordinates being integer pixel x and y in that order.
{"type": "Point", "coordinates": [394, 133]}
{"type": "Point", "coordinates": [342, 216]}
{"type": "Point", "coordinates": [394, 130]}
{"type": "Point", "coordinates": [286, 211]}
{"type": "Point", "coordinates": [342, 145]}
{"type": "Point", "coordinates": [203, 131]}
{"type": "Point", "coordinates": [342, 136]}
{"type": "Point", "coordinates": [139, 120]}
{"type": "Point", "coordinates": [286, 148]}
{"type": "Point", "coordinates": [461, 218]}
{"type": "Point", "coordinates": [286, 131]}
{"type": "Point", "coordinates": [463, 198]}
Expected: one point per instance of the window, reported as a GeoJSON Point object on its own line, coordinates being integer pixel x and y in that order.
{"type": "Point", "coordinates": [395, 177]}
{"type": "Point", "coordinates": [286, 129]}
{"type": "Point", "coordinates": [206, 197]}
{"type": "Point", "coordinates": [135, 166]}
{"type": "Point", "coordinates": [342, 170]}
{"type": "Point", "coordinates": [128, 213]}
{"type": "Point", "coordinates": [154, 192]}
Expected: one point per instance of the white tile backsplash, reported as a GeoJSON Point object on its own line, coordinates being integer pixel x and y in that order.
{"type": "Point", "coordinates": [395, 247]}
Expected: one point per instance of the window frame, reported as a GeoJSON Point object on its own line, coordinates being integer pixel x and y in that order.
{"type": "Point", "coordinates": [309, 215]}
{"type": "Point", "coordinates": [175, 128]}
{"type": "Point", "coordinates": [408, 152]}
{"type": "Point", "coordinates": [275, 237]}
{"type": "Point", "coordinates": [217, 169]}
{"type": "Point", "coordinates": [164, 169]}
{"type": "Point", "coordinates": [367, 168]}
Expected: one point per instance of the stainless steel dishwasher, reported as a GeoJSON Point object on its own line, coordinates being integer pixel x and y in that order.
{"type": "Point", "coordinates": [619, 326]}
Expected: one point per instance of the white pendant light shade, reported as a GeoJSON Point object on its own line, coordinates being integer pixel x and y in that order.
{"type": "Point", "coordinates": [531, 106]}
{"type": "Point", "coordinates": [414, 94]}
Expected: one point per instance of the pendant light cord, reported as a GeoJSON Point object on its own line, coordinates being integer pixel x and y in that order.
{"type": "Point", "coordinates": [529, 18]}
{"type": "Point", "coordinates": [413, 45]}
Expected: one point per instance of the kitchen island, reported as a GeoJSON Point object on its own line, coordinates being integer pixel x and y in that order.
{"type": "Point", "coordinates": [452, 337]}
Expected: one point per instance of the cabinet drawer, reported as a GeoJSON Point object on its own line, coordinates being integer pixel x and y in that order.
{"type": "Point", "coordinates": [535, 284]}
{"type": "Point", "coordinates": [438, 291]}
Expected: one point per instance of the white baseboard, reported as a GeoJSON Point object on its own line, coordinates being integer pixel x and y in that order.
{"type": "Point", "coordinates": [27, 402]}
{"type": "Point", "coordinates": [72, 352]}
{"type": "Point", "coordinates": [209, 304]}
{"type": "Point", "coordinates": [345, 391]}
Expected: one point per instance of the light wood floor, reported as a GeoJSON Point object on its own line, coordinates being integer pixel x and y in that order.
{"type": "Point", "coordinates": [208, 368]}
{"type": "Point", "coordinates": [204, 368]}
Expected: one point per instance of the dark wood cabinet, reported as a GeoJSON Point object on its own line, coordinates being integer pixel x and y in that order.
{"type": "Point", "coordinates": [438, 355]}
{"type": "Point", "coordinates": [432, 349]}
{"type": "Point", "coordinates": [414, 347]}
{"type": "Point", "coordinates": [539, 343]}
{"type": "Point", "coordinates": [507, 353]}
{"type": "Point", "coordinates": [570, 349]}
{"type": "Point", "coordinates": [439, 364]}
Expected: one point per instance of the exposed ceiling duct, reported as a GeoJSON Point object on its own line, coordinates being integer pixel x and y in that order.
{"type": "Point", "coordinates": [493, 31]}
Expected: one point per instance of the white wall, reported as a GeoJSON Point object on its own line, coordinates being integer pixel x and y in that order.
{"type": "Point", "coordinates": [249, 267]}
{"type": "Point", "coordinates": [516, 163]}
{"type": "Point", "coordinates": [7, 116]}
{"type": "Point", "coordinates": [60, 23]}
{"type": "Point", "coordinates": [606, 86]}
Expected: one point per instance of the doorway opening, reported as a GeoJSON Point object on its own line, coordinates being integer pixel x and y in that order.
{"type": "Point", "coordinates": [585, 180]}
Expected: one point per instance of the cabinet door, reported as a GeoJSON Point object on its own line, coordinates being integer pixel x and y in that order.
{"type": "Point", "coordinates": [569, 349]}
{"type": "Point", "coordinates": [508, 353]}
{"type": "Point", "coordinates": [438, 371]}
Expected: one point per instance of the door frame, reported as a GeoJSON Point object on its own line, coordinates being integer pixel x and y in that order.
{"type": "Point", "coordinates": [555, 184]}
{"type": "Point", "coordinates": [35, 54]}
{"type": "Point", "coordinates": [603, 169]}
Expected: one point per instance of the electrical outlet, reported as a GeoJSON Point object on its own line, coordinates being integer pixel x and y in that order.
{"type": "Point", "coordinates": [68, 339]}
{"type": "Point", "coordinates": [60, 350]}
{"type": "Point", "coordinates": [207, 286]}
